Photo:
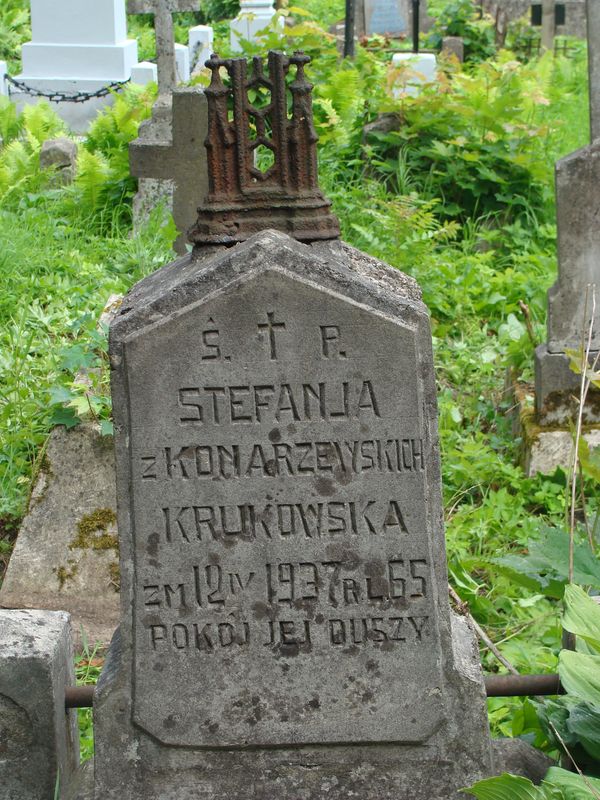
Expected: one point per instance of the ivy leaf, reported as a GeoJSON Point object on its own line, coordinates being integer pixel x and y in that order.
{"type": "Point", "coordinates": [106, 427]}
{"type": "Point", "coordinates": [64, 416]}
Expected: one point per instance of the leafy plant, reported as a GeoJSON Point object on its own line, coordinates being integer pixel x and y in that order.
{"type": "Point", "coordinates": [462, 18]}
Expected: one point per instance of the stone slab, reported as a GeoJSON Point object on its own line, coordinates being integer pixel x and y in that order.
{"type": "Point", "coordinates": [410, 71]}
{"type": "Point", "coordinates": [60, 155]}
{"type": "Point", "coordinates": [578, 209]}
{"type": "Point", "coordinates": [593, 35]}
{"type": "Point", "coordinates": [393, 17]}
{"type": "Point", "coordinates": [39, 741]}
{"type": "Point", "coordinates": [286, 629]}
{"type": "Point", "coordinates": [66, 553]}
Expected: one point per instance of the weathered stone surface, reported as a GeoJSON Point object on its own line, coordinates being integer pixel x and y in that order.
{"type": "Point", "coordinates": [578, 209]}
{"type": "Point", "coordinates": [169, 158]}
{"type": "Point", "coordinates": [66, 554]}
{"type": "Point", "coordinates": [518, 758]}
{"type": "Point", "coordinates": [575, 13]}
{"type": "Point", "coordinates": [593, 35]}
{"type": "Point", "coordinates": [286, 628]}
{"type": "Point", "coordinates": [454, 46]}
{"type": "Point", "coordinates": [61, 156]}
{"type": "Point", "coordinates": [38, 739]}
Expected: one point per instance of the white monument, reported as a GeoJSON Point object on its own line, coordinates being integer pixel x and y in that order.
{"type": "Point", "coordinates": [254, 16]}
{"type": "Point", "coordinates": [200, 41]}
{"type": "Point", "coordinates": [77, 46]}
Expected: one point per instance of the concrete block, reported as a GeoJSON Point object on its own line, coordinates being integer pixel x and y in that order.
{"type": "Point", "coordinates": [39, 743]}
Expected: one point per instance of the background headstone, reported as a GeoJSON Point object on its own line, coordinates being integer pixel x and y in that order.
{"type": "Point", "coordinates": [76, 46]}
{"type": "Point", "coordinates": [389, 17]}
{"type": "Point", "coordinates": [577, 212]}
{"type": "Point", "coordinates": [166, 50]}
{"type": "Point", "coordinates": [410, 71]}
{"type": "Point", "coordinates": [283, 572]}
{"type": "Point", "coordinates": [61, 156]}
{"type": "Point", "coordinates": [169, 158]}
{"type": "Point", "coordinates": [593, 22]}
{"type": "Point", "coordinates": [66, 553]}
{"type": "Point", "coordinates": [182, 62]}
{"type": "Point", "coordinates": [3, 84]}
{"type": "Point", "coordinates": [454, 46]}
{"type": "Point", "coordinates": [511, 10]}
{"type": "Point", "coordinates": [39, 740]}
{"type": "Point", "coordinates": [254, 16]}
{"type": "Point", "coordinates": [200, 42]}
{"type": "Point", "coordinates": [144, 72]}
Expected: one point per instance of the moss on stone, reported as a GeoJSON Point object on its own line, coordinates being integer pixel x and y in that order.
{"type": "Point", "coordinates": [65, 574]}
{"type": "Point", "coordinates": [92, 531]}
{"type": "Point", "coordinates": [114, 572]}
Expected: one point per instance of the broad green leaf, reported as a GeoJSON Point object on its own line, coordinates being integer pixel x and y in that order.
{"type": "Point", "coordinates": [106, 427]}
{"type": "Point", "coordinates": [508, 787]}
{"type": "Point", "coordinates": [574, 786]}
{"type": "Point", "coordinates": [580, 675]}
{"type": "Point", "coordinates": [64, 416]}
{"type": "Point", "coordinates": [582, 615]}
{"type": "Point", "coordinates": [584, 723]}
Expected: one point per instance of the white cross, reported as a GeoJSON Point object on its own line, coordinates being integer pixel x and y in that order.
{"type": "Point", "coordinates": [163, 28]}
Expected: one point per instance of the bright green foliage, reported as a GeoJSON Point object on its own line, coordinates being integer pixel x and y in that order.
{"type": "Point", "coordinates": [462, 18]}
{"type": "Point", "coordinates": [14, 28]}
{"type": "Point", "coordinates": [559, 785]}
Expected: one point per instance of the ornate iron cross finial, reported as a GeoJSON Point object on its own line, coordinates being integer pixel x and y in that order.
{"type": "Point", "coordinates": [262, 163]}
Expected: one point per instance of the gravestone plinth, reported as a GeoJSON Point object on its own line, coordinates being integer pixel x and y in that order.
{"type": "Point", "coordinates": [76, 46]}
{"type": "Point", "coordinates": [39, 740]}
{"type": "Point", "coordinates": [286, 628]}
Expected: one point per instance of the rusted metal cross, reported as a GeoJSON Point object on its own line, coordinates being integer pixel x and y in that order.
{"type": "Point", "coordinates": [163, 11]}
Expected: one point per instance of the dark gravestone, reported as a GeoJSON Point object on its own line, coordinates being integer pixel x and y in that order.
{"type": "Point", "coordinates": [286, 630]}
{"type": "Point", "coordinates": [281, 539]}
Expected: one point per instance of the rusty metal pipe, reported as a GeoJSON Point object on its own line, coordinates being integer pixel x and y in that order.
{"type": "Point", "coordinates": [522, 685]}
{"type": "Point", "coordinates": [495, 686]}
{"type": "Point", "coordinates": [79, 696]}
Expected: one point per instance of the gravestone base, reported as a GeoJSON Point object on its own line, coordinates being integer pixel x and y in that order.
{"type": "Point", "coordinates": [545, 445]}
{"type": "Point", "coordinates": [77, 116]}
{"type": "Point", "coordinates": [557, 390]}
{"type": "Point", "coordinates": [457, 754]}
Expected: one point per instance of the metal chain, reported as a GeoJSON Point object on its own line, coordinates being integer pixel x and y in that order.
{"type": "Point", "coordinates": [64, 97]}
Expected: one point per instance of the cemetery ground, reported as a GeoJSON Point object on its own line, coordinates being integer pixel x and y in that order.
{"type": "Point", "coordinates": [458, 194]}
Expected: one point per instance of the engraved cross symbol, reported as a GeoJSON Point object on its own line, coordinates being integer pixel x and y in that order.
{"type": "Point", "coordinates": [163, 27]}
{"type": "Point", "coordinates": [271, 326]}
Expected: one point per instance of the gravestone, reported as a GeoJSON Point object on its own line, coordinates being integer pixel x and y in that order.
{"type": "Point", "coordinates": [392, 17]}
{"type": "Point", "coordinates": [286, 630]}
{"type": "Point", "coordinates": [163, 11]}
{"type": "Point", "coordinates": [76, 46]}
{"type": "Point", "coordinates": [254, 16]}
{"type": "Point", "coordinates": [39, 740]}
{"type": "Point", "coordinates": [200, 43]}
{"type": "Point", "coordinates": [169, 158]}
{"type": "Point", "coordinates": [454, 47]}
{"type": "Point", "coordinates": [60, 155]}
{"type": "Point", "coordinates": [593, 26]}
{"type": "Point", "coordinates": [163, 181]}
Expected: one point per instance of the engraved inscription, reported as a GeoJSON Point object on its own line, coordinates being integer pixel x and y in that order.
{"type": "Point", "coordinates": [279, 463]}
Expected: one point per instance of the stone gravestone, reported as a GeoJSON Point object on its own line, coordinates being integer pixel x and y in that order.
{"type": "Point", "coordinates": [286, 630]}
{"type": "Point", "coordinates": [76, 46]}
{"type": "Point", "coordinates": [593, 27]}
{"type": "Point", "coordinates": [547, 431]}
{"type": "Point", "coordinates": [169, 158]}
{"type": "Point", "coordinates": [392, 17]}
